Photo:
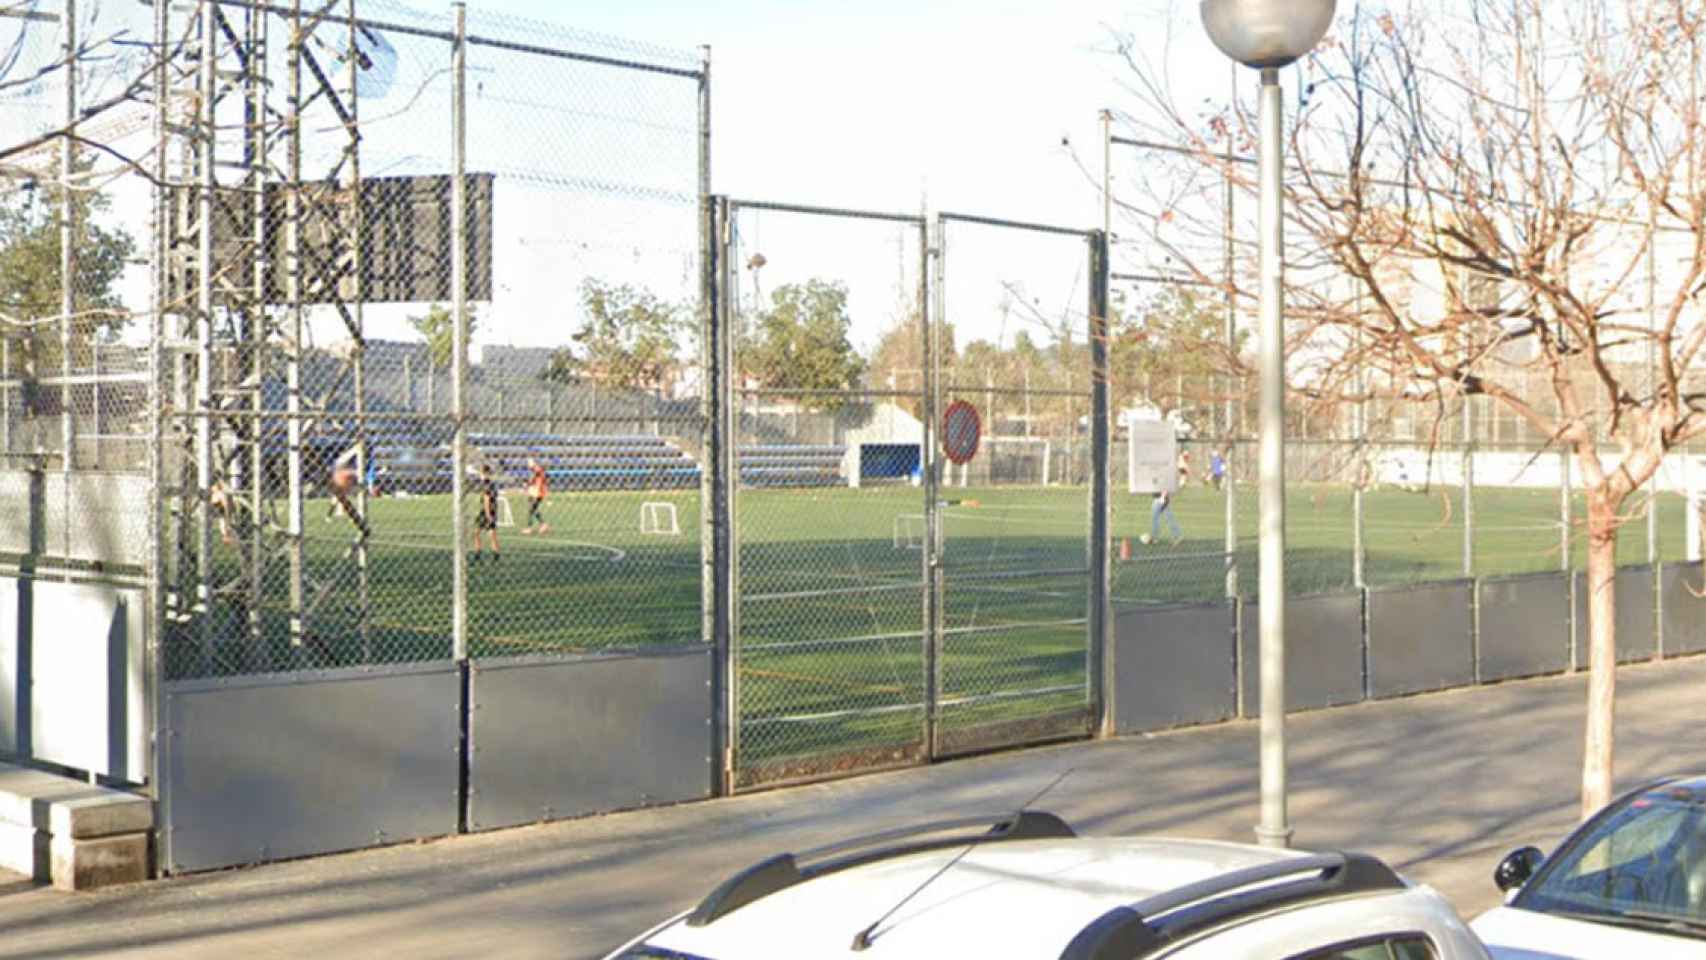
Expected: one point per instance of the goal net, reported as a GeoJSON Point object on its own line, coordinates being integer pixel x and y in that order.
{"type": "Point", "coordinates": [658, 517]}
{"type": "Point", "coordinates": [909, 531]}
{"type": "Point", "coordinates": [506, 515]}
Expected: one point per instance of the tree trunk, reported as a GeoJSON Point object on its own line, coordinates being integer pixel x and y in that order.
{"type": "Point", "coordinates": [1602, 654]}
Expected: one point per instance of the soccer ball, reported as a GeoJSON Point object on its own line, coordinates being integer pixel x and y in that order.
{"type": "Point", "coordinates": [1143, 538]}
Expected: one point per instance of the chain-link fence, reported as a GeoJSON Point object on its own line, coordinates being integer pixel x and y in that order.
{"type": "Point", "coordinates": [1388, 484]}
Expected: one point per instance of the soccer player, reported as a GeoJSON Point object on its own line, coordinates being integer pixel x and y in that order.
{"type": "Point", "coordinates": [340, 483]}
{"type": "Point", "coordinates": [224, 510]}
{"type": "Point", "coordinates": [487, 517]}
{"type": "Point", "coordinates": [537, 488]}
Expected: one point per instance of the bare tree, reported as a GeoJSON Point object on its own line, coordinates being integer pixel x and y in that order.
{"type": "Point", "coordinates": [1482, 209]}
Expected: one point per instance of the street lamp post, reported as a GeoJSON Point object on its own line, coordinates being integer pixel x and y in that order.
{"type": "Point", "coordinates": [1267, 35]}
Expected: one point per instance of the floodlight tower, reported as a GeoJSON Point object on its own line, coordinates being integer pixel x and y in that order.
{"type": "Point", "coordinates": [239, 274]}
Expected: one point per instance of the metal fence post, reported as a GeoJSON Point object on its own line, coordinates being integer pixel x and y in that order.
{"type": "Point", "coordinates": [713, 490]}
{"type": "Point", "coordinates": [728, 466]}
{"type": "Point", "coordinates": [294, 346]}
{"type": "Point", "coordinates": [1564, 560]}
{"type": "Point", "coordinates": [207, 140]}
{"type": "Point", "coordinates": [154, 646]}
{"type": "Point", "coordinates": [713, 475]}
{"type": "Point", "coordinates": [934, 635]}
{"type": "Point", "coordinates": [67, 262]}
{"type": "Point", "coordinates": [930, 322]}
{"type": "Point", "coordinates": [459, 410]}
{"type": "Point", "coordinates": [1363, 476]}
{"type": "Point", "coordinates": [459, 349]}
{"type": "Point", "coordinates": [1101, 673]}
{"type": "Point", "coordinates": [1234, 384]}
{"type": "Point", "coordinates": [1468, 471]}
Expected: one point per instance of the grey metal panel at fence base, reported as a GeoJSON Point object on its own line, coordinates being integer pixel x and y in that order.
{"type": "Point", "coordinates": [1684, 610]}
{"type": "Point", "coordinates": [71, 676]}
{"type": "Point", "coordinates": [555, 738]}
{"type": "Point", "coordinates": [15, 630]}
{"type": "Point", "coordinates": [1174, 665]}
{"type": "Point", "coordinates": [1637, 622]}
{"type": "Point", "coordinates": [1524, 626]}
{"type": "Point", "coordinates": [1323, 652]}
{"type": "Point", "coordinates": [278, 766]}
{"type": "Point", "coordinates": [1419, 638]}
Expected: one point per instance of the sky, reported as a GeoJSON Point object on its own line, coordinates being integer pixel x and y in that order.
{"type": "Point", "coordinates": [895, 106]}
{"type": "Point", "coordinates": [887, 105]}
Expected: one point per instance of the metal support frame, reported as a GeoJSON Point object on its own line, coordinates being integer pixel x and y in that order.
{"type": "Point", "coordinates": [220, 294]}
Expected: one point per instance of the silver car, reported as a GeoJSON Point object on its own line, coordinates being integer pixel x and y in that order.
{"type": "Point", "coordinates": [1025, 886]}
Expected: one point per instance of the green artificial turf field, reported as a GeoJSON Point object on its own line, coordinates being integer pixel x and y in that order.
{"type": "Point", "coordinates": [832, 592]}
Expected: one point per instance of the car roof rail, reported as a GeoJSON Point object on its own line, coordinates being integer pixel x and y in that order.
{"type": "Point", "coordinates": [785, 870]}
{"type": "Point", "coordinates": [1139, 930]}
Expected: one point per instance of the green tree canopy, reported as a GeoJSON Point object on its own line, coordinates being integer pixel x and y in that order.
{"type": "Point", "coordinates": [30, 280]}
{"type": "Point", "coordinates": [897, 361]}
{"type": "Point", "coordinates": [628, 338]}
{"type": "Point", "coordinates": [1172, 353]}
{"type": "Point", "coordinates": [800, 342]}
{"type": "Point", "coordinates": [438, 328]}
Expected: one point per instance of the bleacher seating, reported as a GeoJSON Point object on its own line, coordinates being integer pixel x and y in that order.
{"type": "Point", "coordinates": [600, 462]}
{"type": "Point", "coordinates": [792, 465]}
{"type": "Point", "coordinates": [594, 461]}
{"type": "Point", "coordinates": [603, 462]}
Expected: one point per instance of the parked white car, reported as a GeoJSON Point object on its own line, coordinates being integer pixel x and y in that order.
{"type": "Point", "coordinates": [1630, 882]}
{"type": "Point", "coordinates": [1025, 886]}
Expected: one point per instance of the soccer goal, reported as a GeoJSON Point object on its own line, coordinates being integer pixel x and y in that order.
{"type": "Point", "coordinates": [909, 531]}
{"type": "Point", "coordinates": [658, 517]}
{"type": "Point", "coordinates": [506, 516]}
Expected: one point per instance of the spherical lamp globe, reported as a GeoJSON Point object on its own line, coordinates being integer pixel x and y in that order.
{"type": "Point", "coordinates": [1266, 33]}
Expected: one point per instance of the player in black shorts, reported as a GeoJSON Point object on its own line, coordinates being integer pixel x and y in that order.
{"type": "Point", "coordinates": [486, 518]}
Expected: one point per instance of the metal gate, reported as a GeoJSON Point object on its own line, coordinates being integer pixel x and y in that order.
{"type": "Point", "coordinates": [827, 654]}
{"type": "Point", "coordinates": [885, 606]}
{"type": "Point", "coordinates": [1019, 603]}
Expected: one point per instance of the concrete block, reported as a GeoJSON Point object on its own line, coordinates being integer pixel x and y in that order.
{"type": "Point", "coordinates": [98, 862]}
{"type": "Point", "coordinates": [68, 807]}
{"type": "Point", "coordinates": [112, 812]}
{"type": "Point", "coordinates": [24, 849]}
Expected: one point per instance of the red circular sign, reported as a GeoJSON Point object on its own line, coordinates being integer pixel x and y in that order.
{"type": "Point", "coordinates": [961, 428]}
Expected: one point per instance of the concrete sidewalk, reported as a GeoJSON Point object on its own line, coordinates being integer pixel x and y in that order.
{"type": "Point", "coordinates": [1440, 785]}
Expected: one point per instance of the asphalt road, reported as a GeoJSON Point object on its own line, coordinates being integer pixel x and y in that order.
{"type": "Point", "coordinates": [1440, 785]}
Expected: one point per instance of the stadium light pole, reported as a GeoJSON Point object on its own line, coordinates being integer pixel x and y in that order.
{"type": "Point", "coordinates": [1266, 35]}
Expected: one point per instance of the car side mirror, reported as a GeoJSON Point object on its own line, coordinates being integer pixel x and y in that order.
{"type": "Point", "coordinates": [1517, 867]}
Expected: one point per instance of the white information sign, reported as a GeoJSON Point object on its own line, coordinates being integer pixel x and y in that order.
{"type": "Point", "coordinates": [1154, 457]}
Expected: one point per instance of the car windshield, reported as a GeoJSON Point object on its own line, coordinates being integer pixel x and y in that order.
{"type": "Point", "coordinates": [1643, 865]}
